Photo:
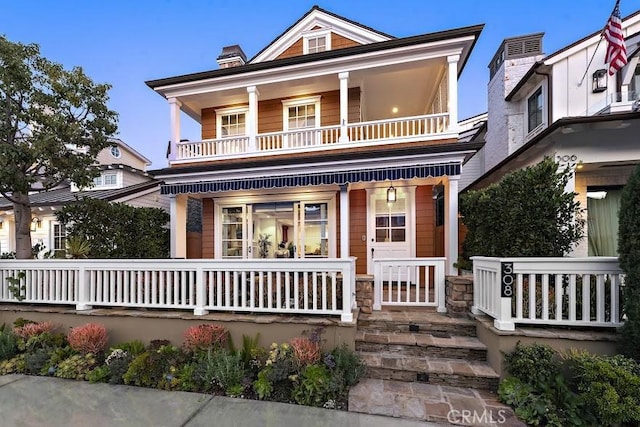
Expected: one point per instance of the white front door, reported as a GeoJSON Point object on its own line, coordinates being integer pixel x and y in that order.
{"type": "Point", "coordinates": [390, 225]}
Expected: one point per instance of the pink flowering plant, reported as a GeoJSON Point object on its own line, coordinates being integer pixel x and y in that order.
{"type": "Point", "coordinates": [90, 338]}
{"type": "Point", "coordinates": [205, 337]}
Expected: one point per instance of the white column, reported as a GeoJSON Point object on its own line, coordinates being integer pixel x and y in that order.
{"type": "Point", "coordinates": [178, 216]}
{"type": "Point", "coordinates": [252, 119]}
{"type": "Point", "coordinates": [452, 79]}
{"type": "Point", "coordinates": [174, 111]}
{"type": "Point", "coordinates": [344, 221]}
{"type": "Point", "coordinates": [344, 105]}
{"type": "Point", "coordinates": [451, 225]}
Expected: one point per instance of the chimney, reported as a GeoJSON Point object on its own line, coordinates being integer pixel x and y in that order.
{"type": "Point", "coordinates": [231, 56]}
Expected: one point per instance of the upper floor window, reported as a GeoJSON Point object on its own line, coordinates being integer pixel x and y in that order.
{"type": "Point", "coordinates": [301, 113]}
{"type": "Point", "coordinates": [316, 41]}
{"type": "Point", "coordinates": [534, 110]}
{"type": "Point", "coordinates": [231, 122]}
{"type": "Point", "coordinates": [106, 179]}
{"type": "Point", "coordinates": [115, 152]}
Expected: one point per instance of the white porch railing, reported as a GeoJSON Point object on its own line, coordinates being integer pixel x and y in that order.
{"type": "Point", "coordinates": [323, 287]}
{"type": "Point", "coordinates": [548, 291]}
{"type": "Point", "coordinates": [409, 282]}
{"type": "Point", "coordinates": [400, 129]}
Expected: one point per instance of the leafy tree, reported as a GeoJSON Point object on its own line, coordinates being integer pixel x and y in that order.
{"type": "Point", "coordinates": [117, 230]}
{"type": "Point", "coordinates": [527, 214]}
{"type": "Point", "coordinates": [53, 124]}
{"type": "Point", "coordinates": [629, 250]}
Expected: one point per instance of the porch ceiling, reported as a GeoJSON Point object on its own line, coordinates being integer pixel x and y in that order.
{"type": "Point", "coordinates": [409, 86]}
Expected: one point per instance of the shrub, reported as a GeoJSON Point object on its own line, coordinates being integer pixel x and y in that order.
{"type": "Point", "coordinates": [313, 387]}
{"type": "Point", "coordinates": [117, 363]}
{"type": "Point", "coordinates": [629, 252]}
{"type": "Point", "coordinates": [31, 329]}
{"type": "Point", "coordinates": [274, 381]}
{"type": "Point", "coordinates": [347, 364]}
{"type": "Point", "coordinates": [533, 363]}
{"type": "Point", "coordinates": [205, 337]}
{"type": "Point", "coordinates": [530, 208]}
{"type": "Point", "coordinates": [15, 365]}
{"type": "Point", "coordinates": [100, 374]}
{"type": "Point", "coordinates": [37, 362]}
{"type": "Point", "coordinates": [150, 368]}
{"type": "Point", "coordinates": [8, 344]}
{"type": "Point", "coordinates": [305, 351]}
{"type": "Point", "coordinates": [76, 367]}
{"type": "Point", "coordinates": [134, 347]}
{"type": "Point", "coordinates": [609, 385]}
{"type": "Point", "coordinates": [222, 369]}
{"type": "Point", "coordinates": [89, 338]}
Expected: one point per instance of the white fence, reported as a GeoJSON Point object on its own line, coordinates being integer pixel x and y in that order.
{"type": "Point", "coordinates": [548, 291]}
{"type": "Point", "coordinates": [409, 282]}
{"type": "Point", "coordinates": [324, 287]}
{"type": "Point", "coordinates": [399, 128]}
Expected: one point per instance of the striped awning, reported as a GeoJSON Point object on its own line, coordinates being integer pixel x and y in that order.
{"type": "Point", "coordinates": [311, 179]}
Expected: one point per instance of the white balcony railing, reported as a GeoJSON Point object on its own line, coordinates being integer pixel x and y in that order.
{"type": "Point", "coordinates": [320, 287]}
{"type": "Point", "coordinates": [548, 291]}
{"type": "Point", "coordinates": [409, 282]}
{"type": "Point", "coordinates": [406, 129]}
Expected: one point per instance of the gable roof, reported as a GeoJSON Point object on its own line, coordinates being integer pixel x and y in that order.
{"type": "Point", "coordinates": [133, 151]}
{"type": "Point", "coordinates": [314, 17]}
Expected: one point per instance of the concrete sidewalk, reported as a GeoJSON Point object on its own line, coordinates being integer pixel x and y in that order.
{"type": "Point", "coordinates": [51, 402]}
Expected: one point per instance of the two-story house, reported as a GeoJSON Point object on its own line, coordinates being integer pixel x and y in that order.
{"type": "Point", "coordinates": [334, 141]}
{"type": "Point", "coordinates": [566, 105]}
{"type": "Point", "coordinates": [123, 178]}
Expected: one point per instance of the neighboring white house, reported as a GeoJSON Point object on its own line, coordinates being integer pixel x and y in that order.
{"type": "Point", "coordinates": [554, 105]}
{"type": "Point", "coordinates": [123, 178]}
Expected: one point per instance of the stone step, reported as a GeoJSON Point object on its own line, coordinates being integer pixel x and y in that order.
{"type": "Point", "coordinates": [431, 402]}
{"type": "Point", "coordinates": [421, 345]}
{"type": "Point", "coordinates": [417, 321]}
{"type": "Point", "coordinates": [430, 370]}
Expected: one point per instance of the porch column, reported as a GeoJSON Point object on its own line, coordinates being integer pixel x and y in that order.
{"type": "Point", "coordinates": [451, 225]}
{"type": "Point", "coordinates": [344, 221]}
{"type": "Point", "coordinates": [178, 215]}
{"type": "Point", "coordinates": [452, 104]}
{"type": "Point", "coordinates": [174, 111]}
{"type": "Point", "coordinates": [252, 119]}
{"type": "Point", "coordinates": [344, 106]}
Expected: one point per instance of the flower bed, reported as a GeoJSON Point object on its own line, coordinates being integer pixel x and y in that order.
{"type": "Point", "coordinates": [299, 371]}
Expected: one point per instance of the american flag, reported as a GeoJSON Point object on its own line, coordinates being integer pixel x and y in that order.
{"type": "Point", "coordinates": [616, 51]}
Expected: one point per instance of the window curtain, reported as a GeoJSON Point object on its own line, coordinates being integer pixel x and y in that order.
{"type": "Point", "coordinates": [602, 224]}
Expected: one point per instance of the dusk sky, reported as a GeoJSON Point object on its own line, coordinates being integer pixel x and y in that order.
{"type": "Point", "coordinates": [126, 42]}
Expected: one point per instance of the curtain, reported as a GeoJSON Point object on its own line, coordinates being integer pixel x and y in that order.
{"type": "Point", "coordinates": [602, 224]}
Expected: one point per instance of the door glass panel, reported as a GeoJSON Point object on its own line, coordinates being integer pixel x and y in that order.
{"type": "Point", "coordinates": [391, 220]}
{"type": "Point", "coordinates": [272, 225]}
{"type": "Point", "coordinates": [232, 232]}
{"type": "Point", "coordinates": [316, 230]}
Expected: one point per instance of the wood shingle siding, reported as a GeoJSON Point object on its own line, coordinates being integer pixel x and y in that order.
{"type": "Point", "coordinates": [207, 228]}
{"type": "Point", "coordinates": [358, 228]}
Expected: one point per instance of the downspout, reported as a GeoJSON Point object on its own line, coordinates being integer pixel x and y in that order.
{"type": "Point", "coordinates": [549, 91]}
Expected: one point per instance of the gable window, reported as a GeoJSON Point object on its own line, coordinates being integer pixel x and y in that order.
{"type": "Point", "coordinates": [534, 110]}
{"type": "Point", "coordinates": [316, 41]}
{"type": "Point", "coordinates": [231, 122]}
{"type": "Point", "coordinates": [115, 152]}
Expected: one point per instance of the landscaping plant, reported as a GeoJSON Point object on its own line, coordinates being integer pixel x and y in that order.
{"type": "Point", "coordinates": [205, 337]}
{"type": "Point", "coordinates": [89, 338]}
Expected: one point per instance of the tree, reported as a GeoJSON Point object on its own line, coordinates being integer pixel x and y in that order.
{"type": "Point", "coordinates": [527, 214]}
{"type": "Point", "coordinates": [53, 123]}
{"type": "Point", "coordinates": [117, 230]}
{"type": "Point", "coordinates": [629, 250]}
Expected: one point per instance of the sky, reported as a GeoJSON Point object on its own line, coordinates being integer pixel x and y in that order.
{"type": "Point", "coordinates": [127, 42]}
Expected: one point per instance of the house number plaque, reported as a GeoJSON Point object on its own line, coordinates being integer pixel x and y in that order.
{"type": "Point", "coordinates": [506, 279]}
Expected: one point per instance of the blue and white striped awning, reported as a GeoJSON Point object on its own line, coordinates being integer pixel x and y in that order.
{"type": "Point", "coordinates": [310, 179]}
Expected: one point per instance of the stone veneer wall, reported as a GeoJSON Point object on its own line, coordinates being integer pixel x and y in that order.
{"type": "Point", "coordinates": [459, 295]}
{"type": "Point", "coordinates": [364, 293]}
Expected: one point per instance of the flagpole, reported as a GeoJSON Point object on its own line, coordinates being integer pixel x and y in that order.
{"type": "Point", "coordinates": [597, 46]}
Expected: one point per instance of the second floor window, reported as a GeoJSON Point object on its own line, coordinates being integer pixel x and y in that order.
{"type": "Point", "coordinates": [534, 110]}
{"type": "Point", "coordinates": [317, 44]}
{"type": "Point", "coordinates": [106, 179]}
{"type": "Point", "coordinates": [302, 116]}
{"type": "Point", "coordinates": [232, 124]}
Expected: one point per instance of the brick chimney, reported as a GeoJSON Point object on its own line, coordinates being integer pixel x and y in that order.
{"type": "Point", "coordinates": [231, 56]}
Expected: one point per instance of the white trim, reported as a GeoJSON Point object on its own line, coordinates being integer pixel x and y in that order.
{"type": "Point", "coordinates": [318, 19]}
{"type": "Point", "coordinates": [316, 34]}
{"type": "Point", "coordinates": [220, 112]}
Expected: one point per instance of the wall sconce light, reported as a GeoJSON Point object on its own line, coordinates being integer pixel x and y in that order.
{"type": "Point", "coordinates": [35, 223]}
{"type": "Point", "coordinates": [599, 81]}
{"type": "Point", "coordinates": [391, 194]}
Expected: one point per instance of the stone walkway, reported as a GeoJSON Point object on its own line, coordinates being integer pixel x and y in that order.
{"type": "Point", "coordinates": [429, 402]}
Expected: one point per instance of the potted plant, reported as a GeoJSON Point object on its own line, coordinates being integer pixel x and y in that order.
{"type": "Point", "coordinates": [264, 244]}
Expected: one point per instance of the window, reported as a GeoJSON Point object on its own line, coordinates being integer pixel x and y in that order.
{"type": "Point", "coordinates": [316, 41]}
{"type": "Point", "coordinates": [115, 152]}
{"type": "Point", "coordinates": [232, 232]}
{"type": "Point", "coordinates": [534, 110]}
{"type": "Point", "coordinates": [110, 179]}
{"type": "Point", "coordinates": [390, 221]}
{"type": "Point", "coordinates": [231, 122]}
{"type": "Point", "coordinates": [302, 114]}
{"type": "Point", "coordinates": [59, 238]}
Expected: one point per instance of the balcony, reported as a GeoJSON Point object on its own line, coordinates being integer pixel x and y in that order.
{"type": "Point", "coordinates": [388, 131]}
{"type": "Point", "coordinates": [619, 102]}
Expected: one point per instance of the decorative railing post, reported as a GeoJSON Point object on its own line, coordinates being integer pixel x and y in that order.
{"type": "Point", "coordinates": [348, 283]}
{"type": "Point", "coordinates": [377, 286]}
{"type": "Point", "coordinates": [201, 293]}
{"type": "Point", "coordinates": [440, 286]}
{"type": "Point", "coordinates": [84, 289]}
